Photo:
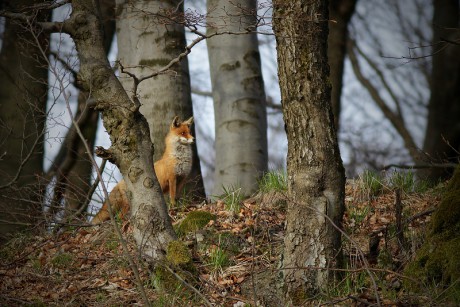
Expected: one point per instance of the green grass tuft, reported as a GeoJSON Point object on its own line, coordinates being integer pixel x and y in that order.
{"type": "Point", "coordinates": [218, 259]}
{"type": "Point", "coordinates": [405, 181]}
{"type": "Point", "coordinates": [371, 184]}
{"type": "Point", "coordinates": [232, 197]}
{"type": "Point", "coordinates": [273, 181]}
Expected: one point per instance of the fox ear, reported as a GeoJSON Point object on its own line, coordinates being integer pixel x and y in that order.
{"type": "Point", "coordinates": [189, 121]}
{"type": "Point", "coordinates": [176, 122]}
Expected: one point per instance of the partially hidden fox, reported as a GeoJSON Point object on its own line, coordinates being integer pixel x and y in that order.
{"type": "Point", "coordinates": [172, 170]}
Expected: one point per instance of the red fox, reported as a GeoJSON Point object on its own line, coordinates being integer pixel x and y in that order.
{"type": "Point", "coordinates": [171, 170]}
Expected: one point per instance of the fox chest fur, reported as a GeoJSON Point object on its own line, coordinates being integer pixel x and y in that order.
{"type": "Point", "coordinates": [176, 161]}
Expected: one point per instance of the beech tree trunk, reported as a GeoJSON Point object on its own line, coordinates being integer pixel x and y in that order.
{"type": "Point", "coordinates": [315, 172]}
{"type": "Point", "coordinates": [340, 12]}
{"type": "Point", "coordinates": [239, 96]}
{"type": "Point", "coordinates": [131, 148]}
{"type": "Point", "coordinates": [23, 95]}
{"type": "Point", "coordinates": [442, 139]}
{"type": "Point", "coordinates": [148, 39]}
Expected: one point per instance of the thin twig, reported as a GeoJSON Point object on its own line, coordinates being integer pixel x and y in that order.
{"type": "Point", "coordinates": [93, 187]}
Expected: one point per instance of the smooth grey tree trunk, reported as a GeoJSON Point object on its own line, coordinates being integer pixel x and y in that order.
{"type": "Point", "coordinates": [316, 179]}
{"type": "Point", "coordinates": [23, 95]}
{"type": "Point", "coordinates": [146, 43]}
{"type": "Point", "coordinates": [239, 96]}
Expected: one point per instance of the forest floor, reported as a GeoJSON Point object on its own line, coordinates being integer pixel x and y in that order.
{"type": "Point", "coordinates": [234, 253]}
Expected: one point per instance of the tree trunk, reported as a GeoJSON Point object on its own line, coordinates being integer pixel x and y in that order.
{"type": "Point", "coordinates": [315, 172]}
{"type": "Point", "coordinates": [442, 139]}
{"type": "Point", "coordinates": [147, 42]}
{"type": "Point", "coordinates": [23, 95]}
{"type": "Point", "coordinates": [340, 13]}
{"type": "Point", "coordinates": [239, 96]}
{"type": "Point", "coordinates": [437, 262]}
{"type": "Point", "coordinates": [79, 177]}
{"type": "Point", "coordinates": [131, 148]}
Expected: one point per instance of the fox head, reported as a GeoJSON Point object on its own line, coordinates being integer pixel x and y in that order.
{"type": "Point", "coordinates": [181, 130]}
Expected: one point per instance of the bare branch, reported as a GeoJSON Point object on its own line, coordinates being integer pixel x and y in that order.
{"type": "Point", "coordinates": [67, 67]}
{"type": "Point", "coordinates": [46, 5]}
{"type": "Point", "coordinates": [394, 118]}
{"type": "Point", "coordinates": [379, 73]}
{"type": "Point", "coordinates": [191, 21]}
{"type": "Point", "coordinates": [420, 166]}
{"type": "Point", "coordinates": [197, 91]}
{"type": "Point", "coordinates": [46, 26]}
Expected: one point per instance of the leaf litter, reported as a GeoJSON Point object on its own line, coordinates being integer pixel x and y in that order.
{"type": "Point", "coordinates": [86, 266]}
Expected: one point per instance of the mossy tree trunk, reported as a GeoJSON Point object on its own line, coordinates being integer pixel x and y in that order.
{"type": "Point", "coordinates": [437, 262]}
{"type": "Point", "coordinates": [316, 178]}
{"type": "Point", "coordinates": [239, 96]}
{"type": "Point", "coordinates": [131, 148]}
{"type": "Point", "coordinates": [23, 95]}
{"type": "Point", "coordinates": [148, 39]}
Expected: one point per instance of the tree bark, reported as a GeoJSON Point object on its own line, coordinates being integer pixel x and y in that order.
{"type": "Point", "coordinates": [79, 177]}
{"type": "Point", "coordinates": [239, 96]}
{"type": "Point", "coordinates": [131, 148]}
{"type": "Point", "coordinates": [315, 172]}
{"type": "Point", "coordinates": [442, 138]}
{"type": "Point", "coordinates": [149, 37]}
{"type": "Point", "coordinates": [23, 95]}
{"type": "Point", "coordinates": [340, 13]}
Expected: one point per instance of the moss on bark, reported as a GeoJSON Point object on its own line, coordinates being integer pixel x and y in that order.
{"type": "Point", "coordinates": [437, 262]}
{"type": "Point", "coordinates": [178, 259]}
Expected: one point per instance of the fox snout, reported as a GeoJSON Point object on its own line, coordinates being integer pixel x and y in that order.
{"type": "Point", "coordinates": [188, 140]}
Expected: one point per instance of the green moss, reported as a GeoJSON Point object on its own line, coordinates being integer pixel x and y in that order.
{"type": "Point", "coordinates": [194, 221]}
{"type": "Point", "coordinates": [164, 280]}
{"type": "Point", "coordinates": [178, 254]}
{"type": "Point", "coordinates": [437, 263]}
{"type": "Point", "coordinates": [179, 259]}
{"type": "Point", "coordinates": [298, 296]}
{"type": "Point", "coordinates": [448, 214]}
